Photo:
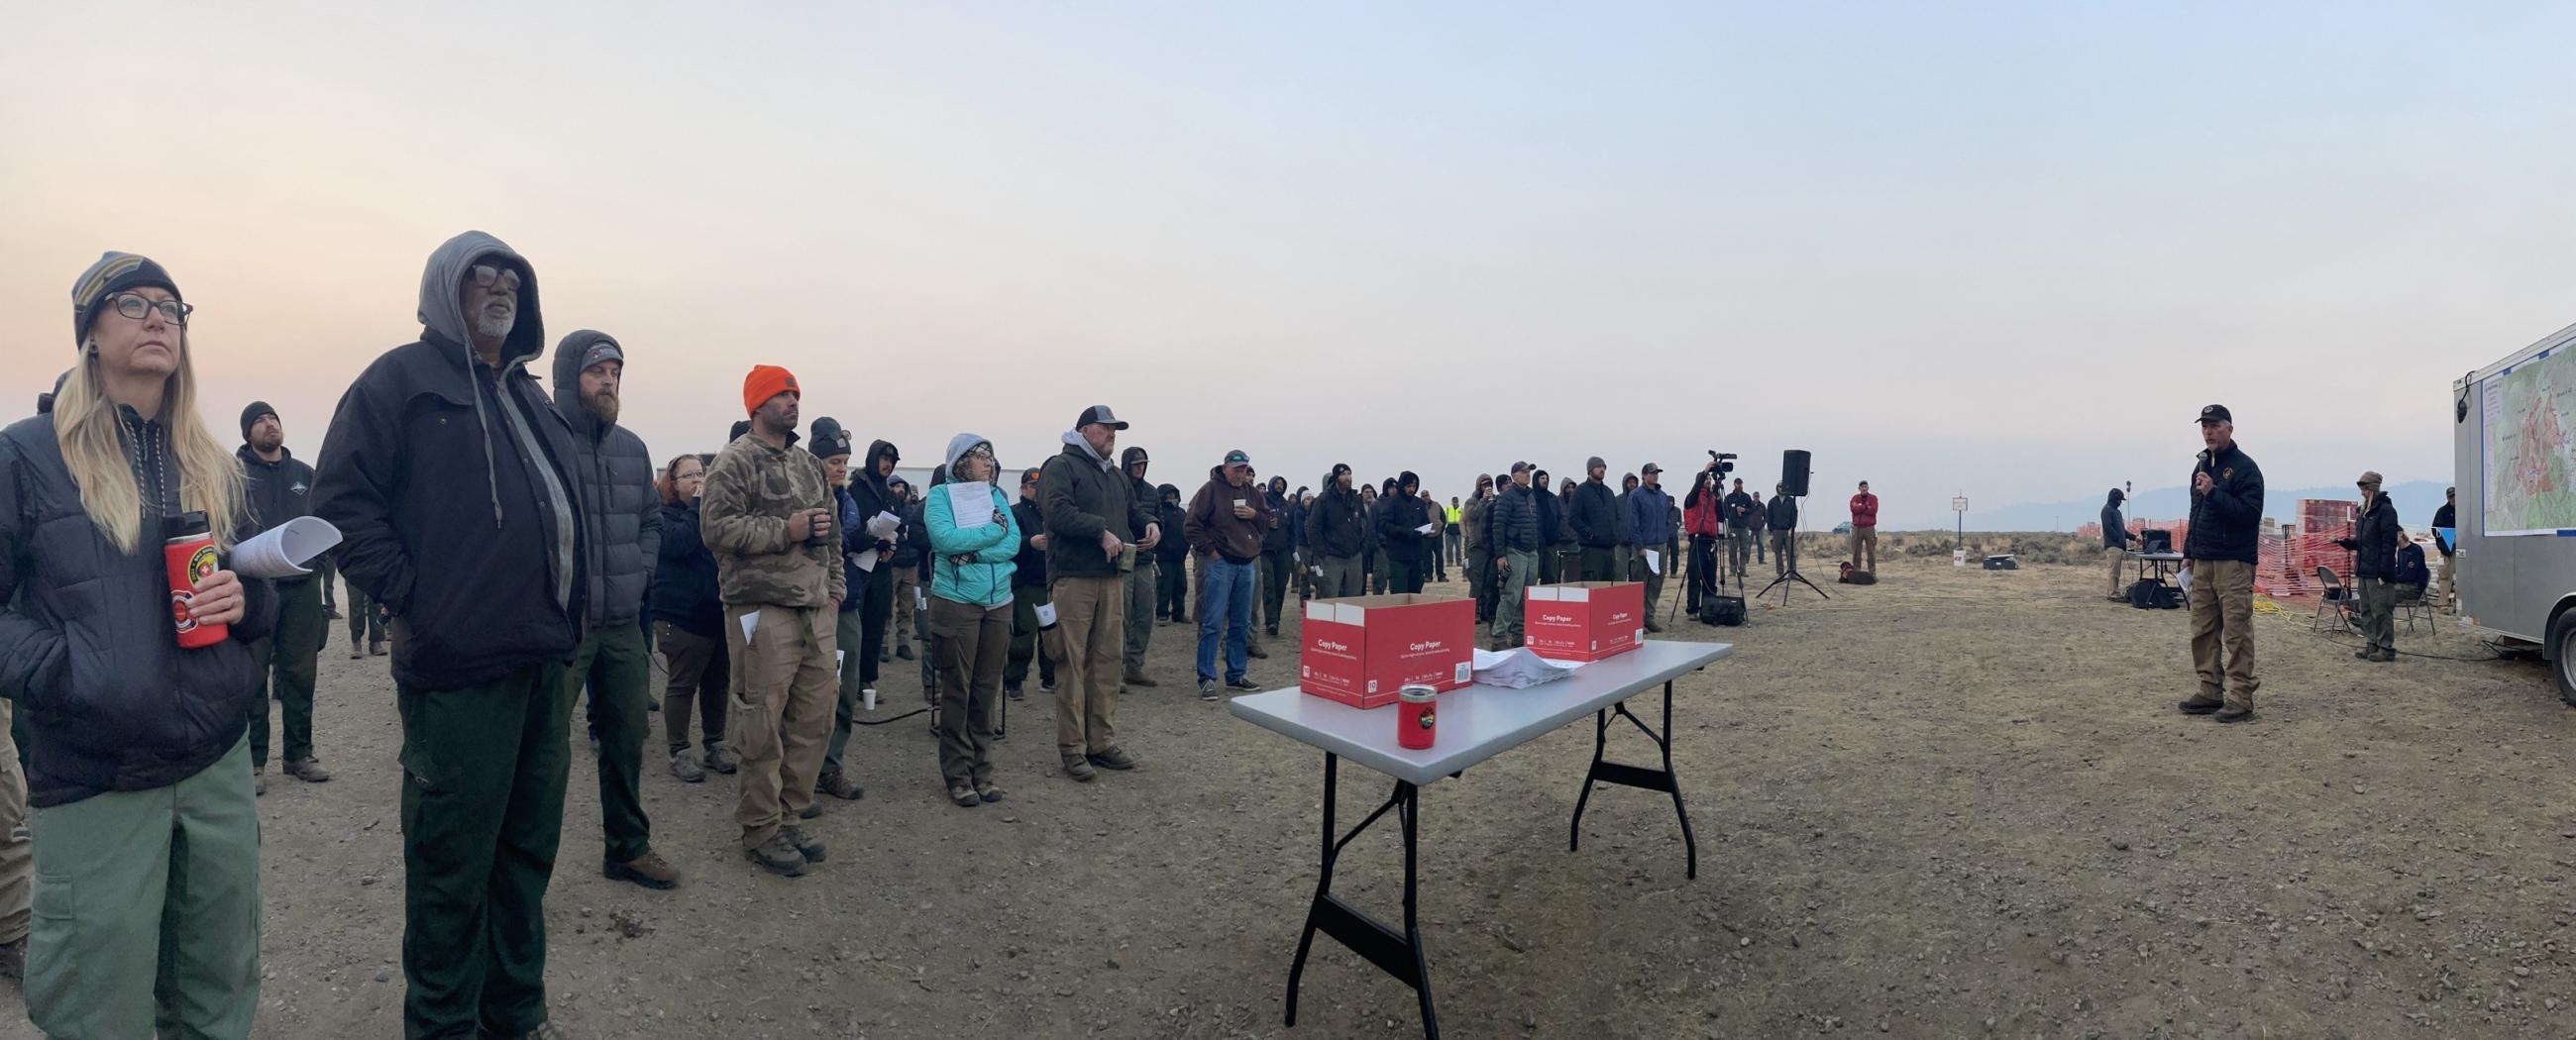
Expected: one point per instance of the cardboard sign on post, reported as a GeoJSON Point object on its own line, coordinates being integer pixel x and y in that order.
{"type": "Point", "coordinates": [1363, 649]}
{"type": "Point", "coordinates": [1584, 620]}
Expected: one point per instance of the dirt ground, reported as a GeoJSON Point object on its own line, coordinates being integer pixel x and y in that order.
{"type": "Point", "coordinates": [1959, 803]}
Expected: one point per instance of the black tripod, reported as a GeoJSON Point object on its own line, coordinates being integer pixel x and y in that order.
{"type": "Point", "coordinates": [1782, 581]}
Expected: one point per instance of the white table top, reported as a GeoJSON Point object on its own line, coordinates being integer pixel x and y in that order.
{"type": "Point", "coordinates": [1476, 722]}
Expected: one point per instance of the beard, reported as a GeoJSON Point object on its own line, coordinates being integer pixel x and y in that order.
{"type": "Point", "coordinates": [496, 328]}
{"type": "Point", "coordinates": [604, 405]}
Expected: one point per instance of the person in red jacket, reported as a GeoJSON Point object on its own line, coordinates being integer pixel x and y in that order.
{"type": "Point", "coordinates": [1700, 518]}
{"type": "Point", "coordinates": [1864, 507]}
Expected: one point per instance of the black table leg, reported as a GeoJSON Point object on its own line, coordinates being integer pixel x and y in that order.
{"type": "Point", "coordinates": [1663, 779]}
{"type": "Point", "coordinates": [1397, 954]}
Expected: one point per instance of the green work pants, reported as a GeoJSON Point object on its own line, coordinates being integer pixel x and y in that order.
{"type": "Point", "coordinates": [288, 656]}
{"type": "Point", "coordinates": [147, 910]}
{"type": "Point", "coordinates": [846, 633]}
{"type": "Point", "coordinates": [1507, 593]}
{"type": "Point", "coordinates": [1139, 590]}
{"type": "Point", "coordinates": [482, 814]}
{"type": "Point", "coordinates": [619, 672]}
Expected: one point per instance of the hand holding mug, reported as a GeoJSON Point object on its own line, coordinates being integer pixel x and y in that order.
{"type": "Point", "coordinates": [218, 600]}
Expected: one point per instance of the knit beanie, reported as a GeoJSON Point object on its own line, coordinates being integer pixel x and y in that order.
{"type": "Point", "coordinates": [828, 438]}
{"type": "Point", "coordinates": [113, 273]}
{"type": "Point", "coordinates": [765, 382]}
{"type": "Point", "coordinates": [251, 415]}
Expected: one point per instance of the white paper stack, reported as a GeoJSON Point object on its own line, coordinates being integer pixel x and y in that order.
{"type": "Point", "coordinates": [282, 551]}
{"type": "Point", "coordinates": [1519, 668]}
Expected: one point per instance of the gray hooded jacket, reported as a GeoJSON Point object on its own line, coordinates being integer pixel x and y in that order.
{"type": "Point", "coordinates": [622, 521]}
{"type": "Point", "coordinates": [448, 483]}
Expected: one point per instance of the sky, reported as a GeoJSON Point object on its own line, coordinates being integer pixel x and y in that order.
{"type": "Point", "coordinates": [2005, 250]}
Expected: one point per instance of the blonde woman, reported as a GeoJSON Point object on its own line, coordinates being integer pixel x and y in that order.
{"type": "Point", "coordinates": [146, 839]}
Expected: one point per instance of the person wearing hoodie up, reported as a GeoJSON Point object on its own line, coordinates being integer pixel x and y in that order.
{"type": "Point", "coordinates": [872, 495]}
{"type": "Point", "coordinates": [1139, 581]}
{"type": "Point", "coordinates": [1551, 519]}
{"type": "Point", "coordinates": [1336, 528]}
{"type": "Point", "coordinates": [280, 489]}
{"type": "Point", "coordinates": [1402, 515]}
{"type": "Point", "coordinates": [1028, 593]}
{"type": "Point", "coordinates": [830, 444]}
{"type": "Point", "coordinates": [973, 538]}
{"type": "Point", "coordinates": [450, 477]}
{"type": "Point", "coordinates": [1226, 522]}
{"type": "Point", "coordinates": [767, 514]}
{"type": "Point", "coordinates": [622, 543]}
{"type": "Point", "coordinates": [1278, 555]}
{"type": "Point", "coordinates": [2115, 541]}
{"type": "Point", "coordinates": [1095, 529]}
{"type": "Point", "coordinates": [1172, 561]}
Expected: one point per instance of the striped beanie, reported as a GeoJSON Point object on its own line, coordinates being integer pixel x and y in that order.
{"type": "Point", "coordinates": [113, 273]}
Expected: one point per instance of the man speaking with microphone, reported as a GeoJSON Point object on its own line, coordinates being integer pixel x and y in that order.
{"type": "Point", "coordinates": [2218, 553]}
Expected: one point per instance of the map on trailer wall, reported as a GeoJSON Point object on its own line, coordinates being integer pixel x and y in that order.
{"type": "Point", "coordinates": [2530, 415]}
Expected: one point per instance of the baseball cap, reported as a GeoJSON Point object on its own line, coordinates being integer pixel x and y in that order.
{"type": "Point", "coordinates": [1237, 458]}
{"type": "Point", "coordinates": [1520, 467]}
{"type": "Point", "coordinates": [1099, 413]}
{"type": "Point", "coordinates": [1651, 468]}
{"type": "Point", "coordinates": [1029, 475]}
{"type": "Point", "coordinates": [2216, 413]}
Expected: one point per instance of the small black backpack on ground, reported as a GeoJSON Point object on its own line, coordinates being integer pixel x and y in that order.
{"type": "Point", "coordinates": [1721, 610]}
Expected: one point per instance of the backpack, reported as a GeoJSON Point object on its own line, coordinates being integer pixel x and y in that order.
{"type": "Point", "coordinates": [1721, 610]}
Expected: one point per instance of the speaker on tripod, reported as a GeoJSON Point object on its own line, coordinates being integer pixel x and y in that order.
{"type": "Point", "coordinates": [1793, 483]}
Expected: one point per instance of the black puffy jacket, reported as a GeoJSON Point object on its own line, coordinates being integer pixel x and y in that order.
{"type": "Point", "coordinates": [684, 584]}
{"type": "Point", "coordinates": [2374, 539]}
{"type": "Point", "coordinates": [86, 648]}
{"type": "Point", "coordinates": [1336, 526]}
{"type": "Point", "coordinates": [1594, 515]}
{"type": "Point", "coordinates": [1511, 522]}
{"type": "Point", "coordinates": [1173, 550]}
{"type": "Point", "coordinates": [621, 512]}
{"type": "Point", "coordinates": [2227, 522]}
{"type": "Point", "coordinates": [1030, 566]}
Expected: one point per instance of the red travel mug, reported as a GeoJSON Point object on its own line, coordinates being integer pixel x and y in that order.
{"type": "Point", "coordinates": [1415, 720]}
{"type": "Point", "coordinates": [188, 557]}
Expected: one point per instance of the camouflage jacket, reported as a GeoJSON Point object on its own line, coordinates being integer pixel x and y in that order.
{"type": "Point", "coordinates": [743, 516]}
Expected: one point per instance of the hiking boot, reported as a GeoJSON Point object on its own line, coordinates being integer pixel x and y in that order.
{"type": "Point", "coordinates": [720, 759]}
{"type": "Point", "coordinates": [988, 791]}
{"type": "Point", "coordinates": [1243, 683]}
{"type": "Point", "coordinates": [356, 652]}
{"type": "Point", "coordinates": [545, 1031]}
{"type": "Point", "coordinates": [1272, 629]}
{"type": "Point", "coordinates": [1255, 650]}
{"type": "Point", "coordinates": [1114, 758]}
{"type": "Point", "coordinates": [307, 770]}
{"type": "Point", "coordinates": [686, 767]}
{"type": "Point", "coordinates": [1138, 678]}
{"type": "Point", "coordinates": [1653, 625]}
{"type": "Point", "coordinates": [2197, 706]}
{"type": "Point", "coordinates": [649, 870]}
{"type": "Point", "coordinates": [2385, 655]}
{"type": "Point", "coordinates": [1207, 690]}
{"type": "Point", "coordinates": [1047, 687]}
{"type": "Point", "coordinates": [2241, 715]}
{"type": "Point", "coordinates": [964, 797]}
{"type": "Point", "coordinates": [1014, 692]}
{"type": "Point", "coordinates": [377, 648]}
{"type": "Point", "coordinates": [903, 652]}
{"type": "Point", "coordinates": [330, 613]}
{"type": "Point", "coordinates": [885, 657]}
{"type": "Point", "coordinates": [805, 843]}
{"type": "Point", "coordinates": [258, 781]}
{"type": "Point", "coordinates": [2366, 653]}
{"type": "Point", "coordinates": [812, 809]}
{"type": "Point", "coordinates": [839, 785]}
{"type": "Point", "coordinates": [777, 855]}
{"type": "Point", "coordinates": [1078, 767]}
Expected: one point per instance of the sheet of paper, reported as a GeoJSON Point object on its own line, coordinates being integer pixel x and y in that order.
{"type": "Point", "coordinates": [750, 623]}
{"type": "Point", "coordinates": [1654, 561]}
{"type": "Point", "coordinates": [1426, 529]}
{"type": "Point", "coordinates": [866, 562]}
{"type": "Point", "coordinates": [883, 525]}
{"type": "Point", "coordinates": [1046, 614]}
{"type": "Point", "coordinates": [970, 505]}
{"type": "Point", "coordinates": [283, 550]}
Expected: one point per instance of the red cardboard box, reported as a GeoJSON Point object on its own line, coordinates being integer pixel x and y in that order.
{"type": "Point", "coordinates": [1362, 649]}
{"type": "Point", "coordinates": [1584, 620]}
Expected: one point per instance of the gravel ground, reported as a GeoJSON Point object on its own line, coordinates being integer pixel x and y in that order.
{"type": "Point", "coordinates": [1959, 803]}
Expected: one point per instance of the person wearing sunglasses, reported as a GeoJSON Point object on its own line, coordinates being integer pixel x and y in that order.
{"type": "Point", "coordinates": [450, 477]}
{"type": "Point", "coordinates": [146, 836]}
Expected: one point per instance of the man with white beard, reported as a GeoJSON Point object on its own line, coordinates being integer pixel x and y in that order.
{"type": "Point", "coordinates": [447, 472]}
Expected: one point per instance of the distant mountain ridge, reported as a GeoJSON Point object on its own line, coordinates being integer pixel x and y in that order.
{"type": "Point", "coordinates": [2416, 501]}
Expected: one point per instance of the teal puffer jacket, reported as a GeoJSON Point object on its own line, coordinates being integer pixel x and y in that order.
{"type": "Point", "coordinates": [986, 582]}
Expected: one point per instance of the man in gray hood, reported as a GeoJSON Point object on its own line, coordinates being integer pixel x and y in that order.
{"type": "Point", "coordinates": [448, 473]}
{"type": "Point", "coordinates": [623, 531]}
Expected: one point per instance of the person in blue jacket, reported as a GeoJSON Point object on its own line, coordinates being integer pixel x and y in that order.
{"type": "Point", "coordinates": [970, 613]}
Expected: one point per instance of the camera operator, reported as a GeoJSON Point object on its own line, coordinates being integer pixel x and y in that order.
{"type": "Point", "coordinates": [1700, 517]}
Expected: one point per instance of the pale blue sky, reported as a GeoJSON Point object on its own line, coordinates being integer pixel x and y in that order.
{"type": "Point", "coordinates": [2003, 248]}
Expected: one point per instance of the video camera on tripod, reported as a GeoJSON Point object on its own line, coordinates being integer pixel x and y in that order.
{"type": "Point", "coordinates": [1720, 463]}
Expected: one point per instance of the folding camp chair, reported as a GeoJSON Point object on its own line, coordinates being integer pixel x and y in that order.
{"type": "Point", "coordinates": [2334, 599]}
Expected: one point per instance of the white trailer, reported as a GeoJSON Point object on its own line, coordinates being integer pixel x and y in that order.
{"type": "Point", "coordinates": [2514, 450]}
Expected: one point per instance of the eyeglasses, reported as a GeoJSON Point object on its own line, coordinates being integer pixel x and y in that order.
{"type": "Point", "coordinates": [133, 306]}
{"type": "Point", "coordinates": [485, 275]}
